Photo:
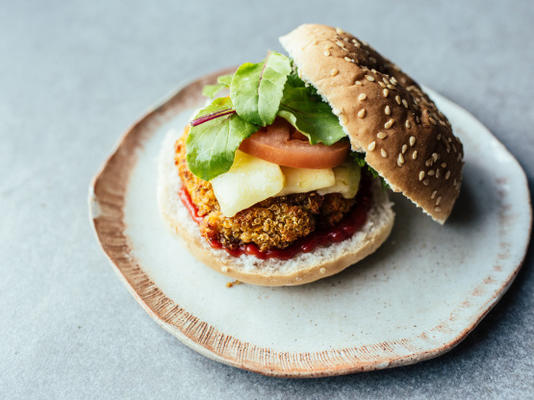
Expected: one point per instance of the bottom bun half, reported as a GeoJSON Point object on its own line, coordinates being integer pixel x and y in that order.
{"type": "Point", "coordinates": [303, 268]}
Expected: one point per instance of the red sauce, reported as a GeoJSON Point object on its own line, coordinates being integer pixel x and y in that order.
{"type": "Point", "coordinates": [351, 223]}
{"type": "Point", "coordinates": [188, 203]}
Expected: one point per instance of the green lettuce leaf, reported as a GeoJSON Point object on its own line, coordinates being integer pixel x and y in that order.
{"type": "Point", "coordinates": [257, 89]}
{"type": "Point", "coordinates": [223, 81]}
{"type": "Point", "coordinates": [258, 93]}
{"type": "Point", "coordinates": [305, 110]}
{"type": "Point", "coordinates": [211, 145]}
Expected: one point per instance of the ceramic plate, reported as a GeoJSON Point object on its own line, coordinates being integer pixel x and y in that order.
{"type": "Point", "coordinates": [417, 297]}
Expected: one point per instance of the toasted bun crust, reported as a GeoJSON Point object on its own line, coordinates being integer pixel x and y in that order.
{"type": "Point", "coordinates": [385, 114]}
{"type": "Point", "coordinates": [303, 268]}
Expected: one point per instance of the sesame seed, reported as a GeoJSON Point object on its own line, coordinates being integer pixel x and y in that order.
{"type": "Point", "coordinates": [383, 153]}
{"type": "Point", "coordinates": [334, 72]}
{"type": "Point", "coordinates": [400, 160]}
{"type": "Point", "coordinates": [404, 148]}
{"type": "Point", "coordinates": [339, 31]}
{"type": "Point", "coordinates": [398, 99]}
{"type": "Point", "coordinates": [361, 113]}
{"type": "Point", "coordinates": [381, 135]}
{"type": "Point", "coordinates": [387, 110]}
{"type": "Point", "coordinates": [435, 156]}
{"type": "Point", "coordinates": [346, 39]}
{"type": "Point", "coordinates": [382, 84]}
{"type": "Point", "coordinates": [389, 86]}
{"type": "Point", "coordinates": [434, 193]}
{"type": "Point", "coordinates": [428, 162]}
{"type": "Point", "coordinates": [430, 172]}
{"type": "Point", "coordinates": [385, 92]}
{"type": "Point", "coordinates": [356, 43]}
{"type": "Point", "coordinates": [426, 182]}
{"type": "Point", "coordinates": [339, 43]}
{"type": "Point", "coordinates": [385, 80]}
{"type": "Point", "coordinates": [393, 80]}
{"type": "Point", "coordinates": [437, 173]}
{"type": "Point", "coordinates": [322, 270]}
{"type": "Point", "coordinates": [412, 139]}
{"type": "Point", "coordinates": [348, 59]}
{"type": "Point", "coordinates": [362, 96]}
{"type": "Point", "coordinates": [408, 124]}
{"type": "Point", "coordinates": [389, 124]}
{"type": "Point", "coordinates": [370, 78]}
{"type": "Point", "coordinates": [421, 175]}
{"type": "Point", "coordinates": [447, 175]}
{"type": "Point", "coordinates": [443, 165]}
{"type": "Point", "coordinates": [438, 200]}
{"type": "Point", "coordinates": [371, 146]}
{"type": "Point", "coordinates": [357, 83]}
{"type": "Point", "coordinates": [326, 53]}
{"type": "Point", "coordinates": [404, 103]}
{"type": "Point", "coordinates": [437, 209]}
{"type": "Point", "coordinates": [414, 155]}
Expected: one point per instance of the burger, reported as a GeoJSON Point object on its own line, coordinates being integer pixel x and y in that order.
{"type": "Point", "coordinates": [283, 177]}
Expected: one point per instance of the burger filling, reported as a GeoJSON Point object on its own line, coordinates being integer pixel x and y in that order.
{"type": "Point", "coordinates": [268, 164]}
{"type": "Point", "coordinates": [275, 222]}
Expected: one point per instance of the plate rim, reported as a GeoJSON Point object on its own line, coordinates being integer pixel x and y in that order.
{"type": "Point", "coordinates": [106, 218]}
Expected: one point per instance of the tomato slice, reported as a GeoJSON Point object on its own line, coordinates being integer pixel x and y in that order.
{"type": "Point", "coordinates": [282, 144]}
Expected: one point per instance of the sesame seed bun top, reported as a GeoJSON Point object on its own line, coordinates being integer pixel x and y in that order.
{"type": "Point", "coordinates": [385, 113]}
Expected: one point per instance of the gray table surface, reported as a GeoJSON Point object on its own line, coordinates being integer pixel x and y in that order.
{"type": "Point", "coordinates": [74, 75]}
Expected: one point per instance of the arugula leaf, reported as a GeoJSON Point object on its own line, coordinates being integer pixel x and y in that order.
{"type": "Point", "coordinates": [223, 81]}
{"type": "Point", "coordinates": [257, 89]}
{"type": "Point", "coordinates": [305, 110]}
{"type": "Point", "coordinates": [216, 134]}
{"type": "Point", "coordinates": [359, 158]}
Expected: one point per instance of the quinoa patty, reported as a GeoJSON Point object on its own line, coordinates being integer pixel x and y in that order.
{"type": "Point", "coordinates": [273, 223]}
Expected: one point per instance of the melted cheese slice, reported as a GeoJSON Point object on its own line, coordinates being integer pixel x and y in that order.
{"type": "Point", "coordinates": [347, 181]}
{"type": "Point", "coordinates": [251, 180]}
{"type": "Point", "coordinates": [302, 180]}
